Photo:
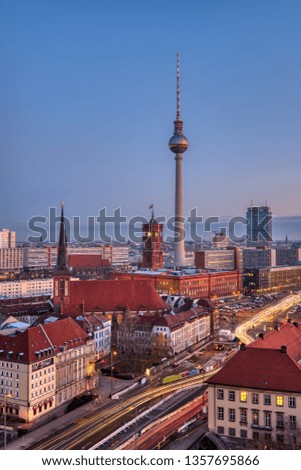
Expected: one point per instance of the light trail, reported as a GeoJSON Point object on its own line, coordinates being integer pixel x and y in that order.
{"type": "Point", "coordinates": [99, 425]}
{"type": "Point", "coordinates": [281, 306]}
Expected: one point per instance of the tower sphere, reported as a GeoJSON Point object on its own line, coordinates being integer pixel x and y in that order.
{"type": "Point", "coordinates": [178, 143]}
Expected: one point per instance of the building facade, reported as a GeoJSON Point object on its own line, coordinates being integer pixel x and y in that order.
{"type": "Point", "coordinates": [288, 255]}
{"type": "Point", "coordinates": [44, 367]}
{"type": "Point", "coordinates": [146, 340]}
{"type": "Point", "coordinates": [259, 257]}
{"type": "Point", "coordinates": [89, 266]}
{"type": "Point", "coordinates": [259, 226]}
{"type": "Point", "coordinates": [248, 400]}
{"type": "Point", "coordinates": [275, 279]}
{"type": "Point", "coordinates": [11, 259]}
{"type": "Point", "coordinates": [7, 239]}
{"type": "Point", "coordinates": [25, 288]}
{"type": "Point", "coordinates": [206, 285]}
{"type": "Point", "coordinates": [99, 326]}
{"type": "Point", "coordinates": [219, 259]}
{"type": "Point", "coordinates": [40, 257]}
{"type": "Point", "coordinates": [117, 255]}
{"type": "Point", "coordinates": [152, 254]}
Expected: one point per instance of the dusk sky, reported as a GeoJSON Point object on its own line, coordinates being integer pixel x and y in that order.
{"type": "Point", "coordinates": [87, 92]}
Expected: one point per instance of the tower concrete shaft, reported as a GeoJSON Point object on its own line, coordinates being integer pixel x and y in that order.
{"type": "Point", "coordinates": [179, 238]}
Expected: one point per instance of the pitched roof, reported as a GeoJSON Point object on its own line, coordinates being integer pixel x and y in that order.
{"type": "Point", "coordinates": [263, 366]}
{"type": "Point", "coordinates": [27, 308]}
{"type": "Point", "coordinates": [177, 320]}
{"type": "Point", "coordinates": [112, 295]}
{"type": "Point", "coordinates": [288, 334]}
{"type": "Point", "coordinates": [258, 368]}
{"type": "Point", "coordinates": [87, 261]}
{"type": "Point", "coordinates": [43, 339]}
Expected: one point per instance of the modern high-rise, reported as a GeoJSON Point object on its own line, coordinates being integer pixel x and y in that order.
{"type": "Point", "coordinates": [7, 238]}
{"type": "Point", "coordinates": [178, 144]}
{"type": "Point", "coordinates": [259, 226]}
{"type": "Point", "coordinates": [11, 258]}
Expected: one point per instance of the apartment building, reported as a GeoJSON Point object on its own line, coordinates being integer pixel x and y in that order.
{"type": "Point", "coordinates": [25, 288]}
{"type": "Point", "coordinates": [256, 396]}
{"type": "Point", "coordinates": [11, 259]}
{"type": "Point", "coordinates": [43, 368]}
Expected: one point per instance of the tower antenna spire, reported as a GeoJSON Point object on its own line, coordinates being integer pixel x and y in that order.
{"type": "Point", "coordinates": [178, 88]}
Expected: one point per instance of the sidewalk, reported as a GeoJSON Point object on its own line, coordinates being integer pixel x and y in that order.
{"type": "Point", "coordinates": [63, 421]}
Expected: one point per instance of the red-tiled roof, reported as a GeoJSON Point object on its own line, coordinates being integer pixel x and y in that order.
{"type": "Point", "coordinates": [24, 300]}
{"type": "Point", "coordinates": [258, 368]}
{"type": "Point", "coordinates": [288, 334]}
{"type": "Point", "coordinates": [86, 261]}
{"type": "Point", "coordinates": [27, 309]}
{"type": "Point", "coordinates": [177, 320]}
{"type": "Point", "coordinates": [65, 332]}
{"type": "Point", "coordinates": [102, 296]}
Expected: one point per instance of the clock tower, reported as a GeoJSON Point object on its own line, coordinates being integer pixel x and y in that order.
{"type": "Point", "coordinates": [152, 255]}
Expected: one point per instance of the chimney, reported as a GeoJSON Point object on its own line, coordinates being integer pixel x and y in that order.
{"type": "Point", "coordinates": [261, 335]}
{"type": "Point", "coordinates": [242, 347]}
{"type": "Point", "coordinates": [283, 349]}
{"type": "Point", "coordinates": [296, 324]}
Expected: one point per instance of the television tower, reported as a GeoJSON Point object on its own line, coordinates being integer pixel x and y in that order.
{"type": "Point", "coordinates": [178, 144]}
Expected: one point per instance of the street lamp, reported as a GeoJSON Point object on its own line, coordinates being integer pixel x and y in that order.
{"type": "Point", "coordinates": [5, 396]}
{"type": "Point", "coordinates": [113, 353]}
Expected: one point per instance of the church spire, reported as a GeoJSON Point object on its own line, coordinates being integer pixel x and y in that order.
{"type": "Point", "coordinates": [62, 256]}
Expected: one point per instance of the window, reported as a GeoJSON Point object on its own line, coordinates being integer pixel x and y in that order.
{"type": "Point", "coordinates": [293, 422]}
{"type": "Point", "coordinates": [243, 396]}
{"type": "Point", "coordinates": [280, 438]}
{"type": "Point", "coordinates": [267, 419]}
{"type": "Point", "coordinates": [267, 436]}
{"type": "Point", "coordinates": [231, 395]}
{"type": "Point", "coordinates": [243, 415]}
{"type": "Point", "coordinates": [243, 433]}
{"type": "Point", "coordinates": [279, 420]}
{"type": "Point", "coordinates": [232, 432]}
{"type": "Point", "coordinates": [292, 402]}
{"type": "Point", "coordinates": [220, 393]}
{"type": "Point", "coordinates": [220, 430]}
{"type": "Point", "coordinates": [231, 414]}
{"type": "Point", "coordinates": [256, 435]}
{"type": "Point", "coordinates": [279, 400]}
{"type": "Point", "coordinates": [255, 398]}
{"type": "Point", "coordinates": [267, 399]}
{"type": "Point", "coordinates": [220, 412]}
{"type": "Point", "coordinates": [255, 418]}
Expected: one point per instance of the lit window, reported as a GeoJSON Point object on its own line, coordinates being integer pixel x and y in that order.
{"type": "Point", "coordinates": [243, 396]}
{"type": "Point", "coordinates": [279, 400]}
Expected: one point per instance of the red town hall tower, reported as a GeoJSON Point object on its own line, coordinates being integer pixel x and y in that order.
{"type": "Point", "coordinates": [152, 255]}
{"type": "Point", "coordinates": [61, 274]}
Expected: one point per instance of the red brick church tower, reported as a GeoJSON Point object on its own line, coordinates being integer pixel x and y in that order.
{"type": "Point", "coordinates": [61, 274]}
{"type": "Point", "coordinates": [152, 255]}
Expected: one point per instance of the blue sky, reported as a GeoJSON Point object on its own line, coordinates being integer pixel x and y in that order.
{"type": "Point", "coordinates": [87, 92]}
